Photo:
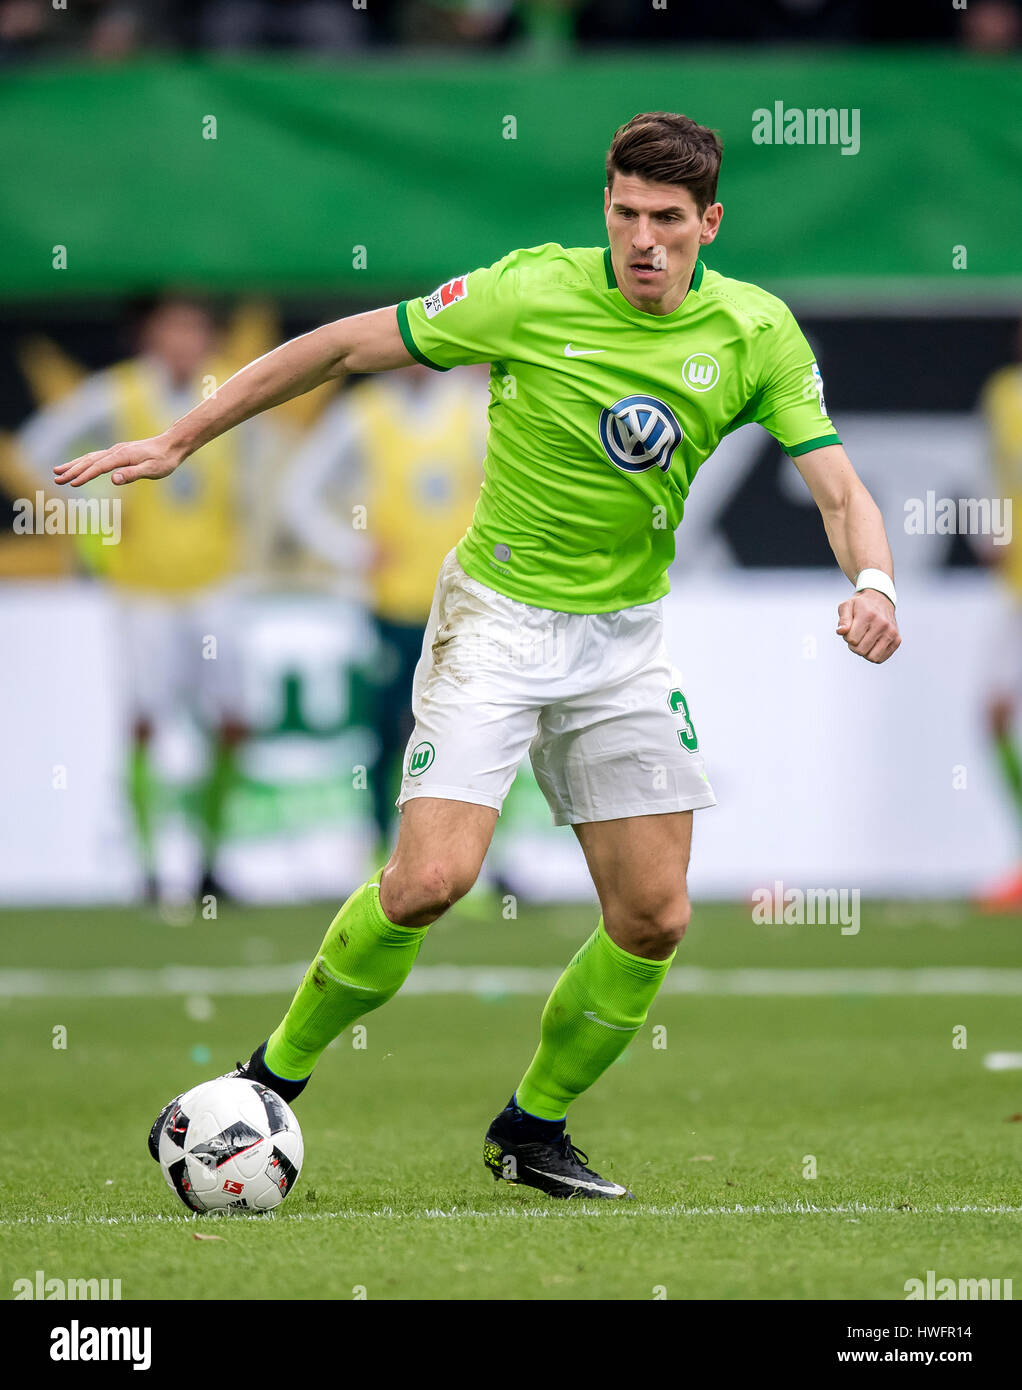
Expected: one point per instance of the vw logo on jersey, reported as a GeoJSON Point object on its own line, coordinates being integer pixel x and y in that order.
{"type": "Point", "coordinates": [700, 371]}
{"type": "Point", "coordinates": [640, 432]}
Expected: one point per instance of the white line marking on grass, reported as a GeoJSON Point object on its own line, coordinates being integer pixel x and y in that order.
{"type": "Point", "coordinates": [1003, 1061]}
{"type": "Point", "coordinates": [579, 1210]}
{"type": "Point", "coordinates": [498, 982]}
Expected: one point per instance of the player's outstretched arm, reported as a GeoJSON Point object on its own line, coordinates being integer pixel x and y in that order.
{"type": "Point", "coordinates": [857, 537]}
{"type": "Point", "coordinates": [363, 343]}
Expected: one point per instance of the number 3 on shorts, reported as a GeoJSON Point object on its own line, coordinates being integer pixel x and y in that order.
{"type": "Point", "coordinates": [688, 736]}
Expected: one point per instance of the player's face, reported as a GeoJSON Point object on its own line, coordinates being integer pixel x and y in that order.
{"type": "Point", "coordinates": [655, 232]}
{"type": "Point", "coordinates": [182, 336]}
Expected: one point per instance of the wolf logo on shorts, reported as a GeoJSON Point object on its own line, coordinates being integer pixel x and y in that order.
{"type": "Point", "coordinates": [420, 758]}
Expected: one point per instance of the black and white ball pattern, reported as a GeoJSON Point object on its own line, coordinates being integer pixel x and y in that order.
{"type": "Point", "coordinates": [231, 1144]}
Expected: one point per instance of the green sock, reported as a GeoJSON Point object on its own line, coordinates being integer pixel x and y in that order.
{"type": "Point", "coordinates": [363, 961]}
{"type": "Point", "coordinates": [595, 1010]}
{"type": "Point", "coordinates": [140, 791]}
{"type": "Point", "coordinates": [1011, 766]}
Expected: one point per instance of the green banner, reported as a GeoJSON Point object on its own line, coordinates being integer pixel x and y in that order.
{"type": "Point", "coordinates": [384, 177]}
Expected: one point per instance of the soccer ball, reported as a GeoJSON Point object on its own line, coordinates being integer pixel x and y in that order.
{"type": "Point", "coordinates": [230, 1144]}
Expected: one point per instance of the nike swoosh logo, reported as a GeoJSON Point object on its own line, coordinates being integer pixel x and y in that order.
{"type": "Point", "coordinates": [569, 351]}
{"type": "Point", "coordinates": [614, 1187]}
{"type": "Point", "coordinates": [618, 1027]}
{"type": "Point", "coordinates": [338, 979]}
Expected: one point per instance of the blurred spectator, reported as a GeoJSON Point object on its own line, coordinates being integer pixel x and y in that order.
{"type": "Point", "coordinates": [610, 21]}
{"type": "Point", "coordinates": [384, 485]}
{"type": "Point", "coordinates": [105, 30]}
{"type": "Point", "coordinates": [25, 556]}
{"type": "Point", "coordinates": [441, 22]}
{"type": "Point", "coordinates": [546, 26]}
{"type": "Point", "coordinates": [992, 26]}
{"type": "Point", "coordinates": [314, 25]}
{"type": "Point", "coordinates": [768, 21]}
{"type": "Point", "coordinates": [179, 548]}
{"type": "Point", "coordinates": [24, 26]}
{"type": "Point", "coordinates": [111, 29]}
{"type": "Point", "coordinates": [1001, 404]}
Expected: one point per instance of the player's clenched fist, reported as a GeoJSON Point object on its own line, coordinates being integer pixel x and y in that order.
{"type": "Point", "coordinates": [142, 458]}
{"type": "Point", "coordinates": [867, 623]}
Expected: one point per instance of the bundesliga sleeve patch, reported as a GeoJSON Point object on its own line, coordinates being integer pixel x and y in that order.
{"type": "Point", "coordinates": [813, 384]}
{"type": "Point", "coordinates": [445, 296]}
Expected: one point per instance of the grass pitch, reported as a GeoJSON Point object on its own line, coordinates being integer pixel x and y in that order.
{"type": "Point", "coordinates": [916, 1145]}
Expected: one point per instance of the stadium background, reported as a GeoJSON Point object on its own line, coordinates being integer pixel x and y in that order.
{"type": "Point", "coordinates": [419, 141]}
{"type": "Point", "coordinates": [812, 1113]}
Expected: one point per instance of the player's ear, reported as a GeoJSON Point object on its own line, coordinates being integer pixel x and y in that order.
{"type": "Point", "coordinates": [711, 223]}
{"type": "Point", "coordinates": [606, 201]}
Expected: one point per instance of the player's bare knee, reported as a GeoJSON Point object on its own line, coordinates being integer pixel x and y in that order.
{"type": "Point", "coordinates": [448, 880]}
{"type": "Point", "coordinates": [654, 931]}
{"type": "Point", "coordinates": [416, 896]}
{"type": "Point", "coordinates": [437, 884]}
{"type": "Point", "coordinates": [407, 898]}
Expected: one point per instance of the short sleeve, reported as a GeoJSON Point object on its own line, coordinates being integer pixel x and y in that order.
{"type": "Point", "coordinates": [469, 319]}
{"type": "Point", "coordinates": [789, 402]}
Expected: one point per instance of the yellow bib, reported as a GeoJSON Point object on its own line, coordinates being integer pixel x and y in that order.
{"type": "Point", "coordinates": [424, 472]}
{"type": "Point", "coordinates": [179, 533]}
{"type": "Point", "coordinates": [1002, 406]}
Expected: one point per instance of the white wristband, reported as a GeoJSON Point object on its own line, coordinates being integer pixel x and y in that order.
{"type": "Point", "coordinates": [876, 579]}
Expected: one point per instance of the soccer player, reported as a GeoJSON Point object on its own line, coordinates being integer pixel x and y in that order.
{"type": "Point", "coordinates": [614, 374]}
{"type": "Point", "coordinates": [1001, 406]}
{"type": "Point", "coordinates": [180, 550]}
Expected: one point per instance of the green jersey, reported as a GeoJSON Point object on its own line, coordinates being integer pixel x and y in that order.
{"type": "Point", "coordinates": [600, 414]}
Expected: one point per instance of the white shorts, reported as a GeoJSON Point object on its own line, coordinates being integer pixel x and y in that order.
{"type": "Point", "coordinates": [180, 651]}
{"type": "Point", "coordinates": [592, 697]}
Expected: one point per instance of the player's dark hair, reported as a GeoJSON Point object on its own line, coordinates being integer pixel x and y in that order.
{"type": "Point", "coordinates": [141, 307]}
{"type": "Point", "coordinates": [664, 147]}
